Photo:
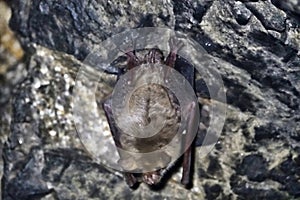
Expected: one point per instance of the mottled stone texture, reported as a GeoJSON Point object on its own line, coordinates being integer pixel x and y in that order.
{"type": "Point", "coordinates": [257, 42]}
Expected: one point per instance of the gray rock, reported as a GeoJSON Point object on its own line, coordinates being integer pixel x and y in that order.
{"type": "Point", "coordinates": [270, 17]}
{"type": "Point", "coordinates": [241, 13]}
{"type": "Point", "coordinates": [11, 72]}
{"type": "Point", "coordinates": [291, 6]}
{"type": "Point", "coordinates": [76, 27]}
{"type": "Point", "coordinates": [256, 44]}
{"type": "Point", "coordinates": [254, 167]}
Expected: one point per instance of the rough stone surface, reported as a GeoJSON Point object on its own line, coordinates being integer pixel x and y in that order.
{"type": "Point", "coordinates": [254, 167]}
{"type": "Point", "coordinates": [257, 42]}
{"type": "Point", "coordinates": [11, 72]}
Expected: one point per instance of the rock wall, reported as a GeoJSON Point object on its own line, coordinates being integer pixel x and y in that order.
{"type": "Point", "coordinates": [258, 153]}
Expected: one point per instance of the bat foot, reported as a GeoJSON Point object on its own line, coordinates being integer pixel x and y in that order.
{"type": "Point", "coordinates": [151, 178]}
{"type": "Point", "coordinates": [131, 180]}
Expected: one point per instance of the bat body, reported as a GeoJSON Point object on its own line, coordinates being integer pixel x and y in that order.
{"type": "Point", "coordinates": [149, 104]}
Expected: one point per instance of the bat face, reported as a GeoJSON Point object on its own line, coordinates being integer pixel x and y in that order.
{"type": "Point", "coordinates": [148, 105]}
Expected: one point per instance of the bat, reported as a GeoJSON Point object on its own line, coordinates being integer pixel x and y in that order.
{"type": "Point", "coordinates": [150, 103]}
